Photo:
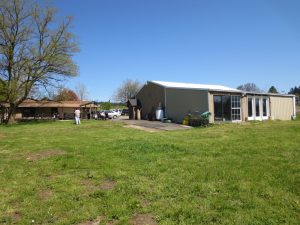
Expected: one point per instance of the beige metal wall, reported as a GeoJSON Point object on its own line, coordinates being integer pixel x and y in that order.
{"type": "Point", "coordinates": [211, 107]}
{"type": "Point", "coordinates": [150, 96]}
{"type": "Point", "coordinates": [244, 108]}
{"type": "Point", "coordinates": [281, 107]}
{"type": "Point", "coordinates": [180, 102]}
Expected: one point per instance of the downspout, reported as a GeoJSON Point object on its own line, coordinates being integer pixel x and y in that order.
{"type": "Point", "coordinates": [165, 103]}
{"type": "Point", "coordinates": [208, 102]}
{"type": "Point", "coordinates": [294, 107]}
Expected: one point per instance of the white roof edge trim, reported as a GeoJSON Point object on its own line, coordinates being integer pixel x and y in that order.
{"type": "Point", "coordinates": [195, 86]}
{"type": "Point", "coordinates": [269, 94]}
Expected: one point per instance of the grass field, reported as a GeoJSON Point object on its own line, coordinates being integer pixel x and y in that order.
{"type": "Point", "coordinates": [58, 173]}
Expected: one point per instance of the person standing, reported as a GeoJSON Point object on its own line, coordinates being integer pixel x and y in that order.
{"type": "Point", "coordinates": [77, 116]}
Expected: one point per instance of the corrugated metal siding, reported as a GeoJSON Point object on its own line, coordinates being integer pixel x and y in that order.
{"type": "Point", "coordinates": [150, 96]}
{"type": "Point", "coordinates": [281, 107]}
{"type": "Point", "coordinates": [180, 102]}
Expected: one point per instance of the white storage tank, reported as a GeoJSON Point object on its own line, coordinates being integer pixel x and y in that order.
{"type": "Point", "coordinates": [159, 113]}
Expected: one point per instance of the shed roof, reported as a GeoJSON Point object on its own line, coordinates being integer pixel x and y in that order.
{"type": "Point", "coordinates": [195, 86]}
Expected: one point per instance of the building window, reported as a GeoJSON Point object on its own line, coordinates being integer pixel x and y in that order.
{"type": "Point", "coordinates": [257, 107]}
{"type": "Point", "coordinates": [218, 111]}
{"type": "Point", "coordinates": [264, 107]}
{"type": "Point", "coordinates": [227, 108]}
{"type": "Point", "coordinates": [250, 114]}
{"type": "Point", "coordinates": [235, 107]}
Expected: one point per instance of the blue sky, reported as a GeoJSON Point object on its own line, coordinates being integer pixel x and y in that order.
{"type": "Point", "coordinates": [202, 41]}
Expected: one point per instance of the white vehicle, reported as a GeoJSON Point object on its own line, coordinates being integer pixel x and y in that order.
{"type": "Point", "coordinates": [118, 111]}
{"type": "Point", "coordinates": [112, 114]}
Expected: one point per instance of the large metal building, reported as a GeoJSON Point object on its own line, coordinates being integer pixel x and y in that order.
{"type": "Point", "coordinates": [225, 104]}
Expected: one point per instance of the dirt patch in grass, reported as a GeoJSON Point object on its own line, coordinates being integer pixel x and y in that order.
{"type": "Point", "coordinates": [44, 154]}
{"type": "Point", "coordinates": [45, 194]}
{"type": "Point", "coordinates": [151, 130]}
{"type": "Point", "coordinates": [108, 184]}
{"type": "Point", "coordinates": [112, 222]}
{"type": "Point", "coordinates": [16, 216]}
{"type": "Point", "coordinates": [96, 221]}
{"type": "Point", "coordinates": [91, 185]}
{"type": "Point", "coordinates": [143, 219]}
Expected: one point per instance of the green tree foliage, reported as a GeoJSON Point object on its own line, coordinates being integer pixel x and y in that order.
{"type": "Point", "coordinates": [251, 87]}
{"type": "Point", "coordinates": [273, 89]}
{"type": "Point", "coordinates": [106, 105]}
{"type": "Point", "coordinates": [295, 91]}
{"type": "Point", "coordinates": [35, 50]}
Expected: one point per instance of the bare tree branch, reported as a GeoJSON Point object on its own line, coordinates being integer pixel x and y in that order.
{"type": "Point", "coordinates": [128, 89]}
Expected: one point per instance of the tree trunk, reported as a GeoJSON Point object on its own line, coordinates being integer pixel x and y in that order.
{"type": "Point", "coordinates": [11, 114]}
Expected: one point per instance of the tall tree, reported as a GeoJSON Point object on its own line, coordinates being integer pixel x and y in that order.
{"type": "Point", "coordinates": [295, 91]}
{"type": "Point", "coordinates": [35, 49]}
{"type": "Point", "coordinates": [273, 89]}
{"type": "Point", "coordinates": [128, 89]}
{"type": "Point", "coordinates": [3, 87]}
{"type": "Point", "coordinates": [81, 91]}
{"type": "Point", "coordinates": [251, 87]}
{"type": "Point", "coordinates": [66, 95]}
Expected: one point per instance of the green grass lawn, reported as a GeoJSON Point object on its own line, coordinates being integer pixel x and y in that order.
{"type": "Point", "coordinates": [58, 173]}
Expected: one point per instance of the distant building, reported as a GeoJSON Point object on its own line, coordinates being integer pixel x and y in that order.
{"type": "Point", "coordinates": [35, 109]}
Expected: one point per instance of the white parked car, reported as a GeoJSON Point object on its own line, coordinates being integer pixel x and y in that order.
{"type": "Point", "coordinates": [112, 114]}
{"type": "Point", "coordinates": [118, 111]}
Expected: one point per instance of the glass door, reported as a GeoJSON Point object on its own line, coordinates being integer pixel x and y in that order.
{"type": "Point", "coordinates": [265, 108]}
{"type": "Point", "coordinates": [227, 108]}
{"type": "Point", "coordinates": [250, 108]}
{"type": "Point", "coordinates": [258, 108]}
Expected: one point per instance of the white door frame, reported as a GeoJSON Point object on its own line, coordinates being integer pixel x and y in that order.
{"type": "Point", "coordinates": [252, 106]}
{"type": "Point", "coordinates": [260, 105]}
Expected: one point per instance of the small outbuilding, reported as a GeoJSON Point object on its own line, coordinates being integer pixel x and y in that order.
{"type": "Point", "coordinates": [224, 103]}
{"type": "Point", "coordinates": [134, 109]}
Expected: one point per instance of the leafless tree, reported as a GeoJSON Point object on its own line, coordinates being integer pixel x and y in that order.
{"type": "Point", "coordinates": [35, 50]}
{"type": "Point", "coordinates": [128, 89]}
{"type": "Point", "coordinates": [81, 91]}
{"type": "Point", "coordinates": [251, 87]}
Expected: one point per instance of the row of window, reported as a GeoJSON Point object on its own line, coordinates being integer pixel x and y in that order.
{"type": "Point", "coordinates": [227, 108]}
{"type": "Point", "coordinates": [257, 107]}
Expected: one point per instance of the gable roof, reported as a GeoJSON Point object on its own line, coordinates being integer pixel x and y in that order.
{"type": "Point", "coordinates": [207, 87]}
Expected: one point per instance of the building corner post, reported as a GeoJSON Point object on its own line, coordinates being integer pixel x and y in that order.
{"type": "Point", "coordinates": [294, 107]}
